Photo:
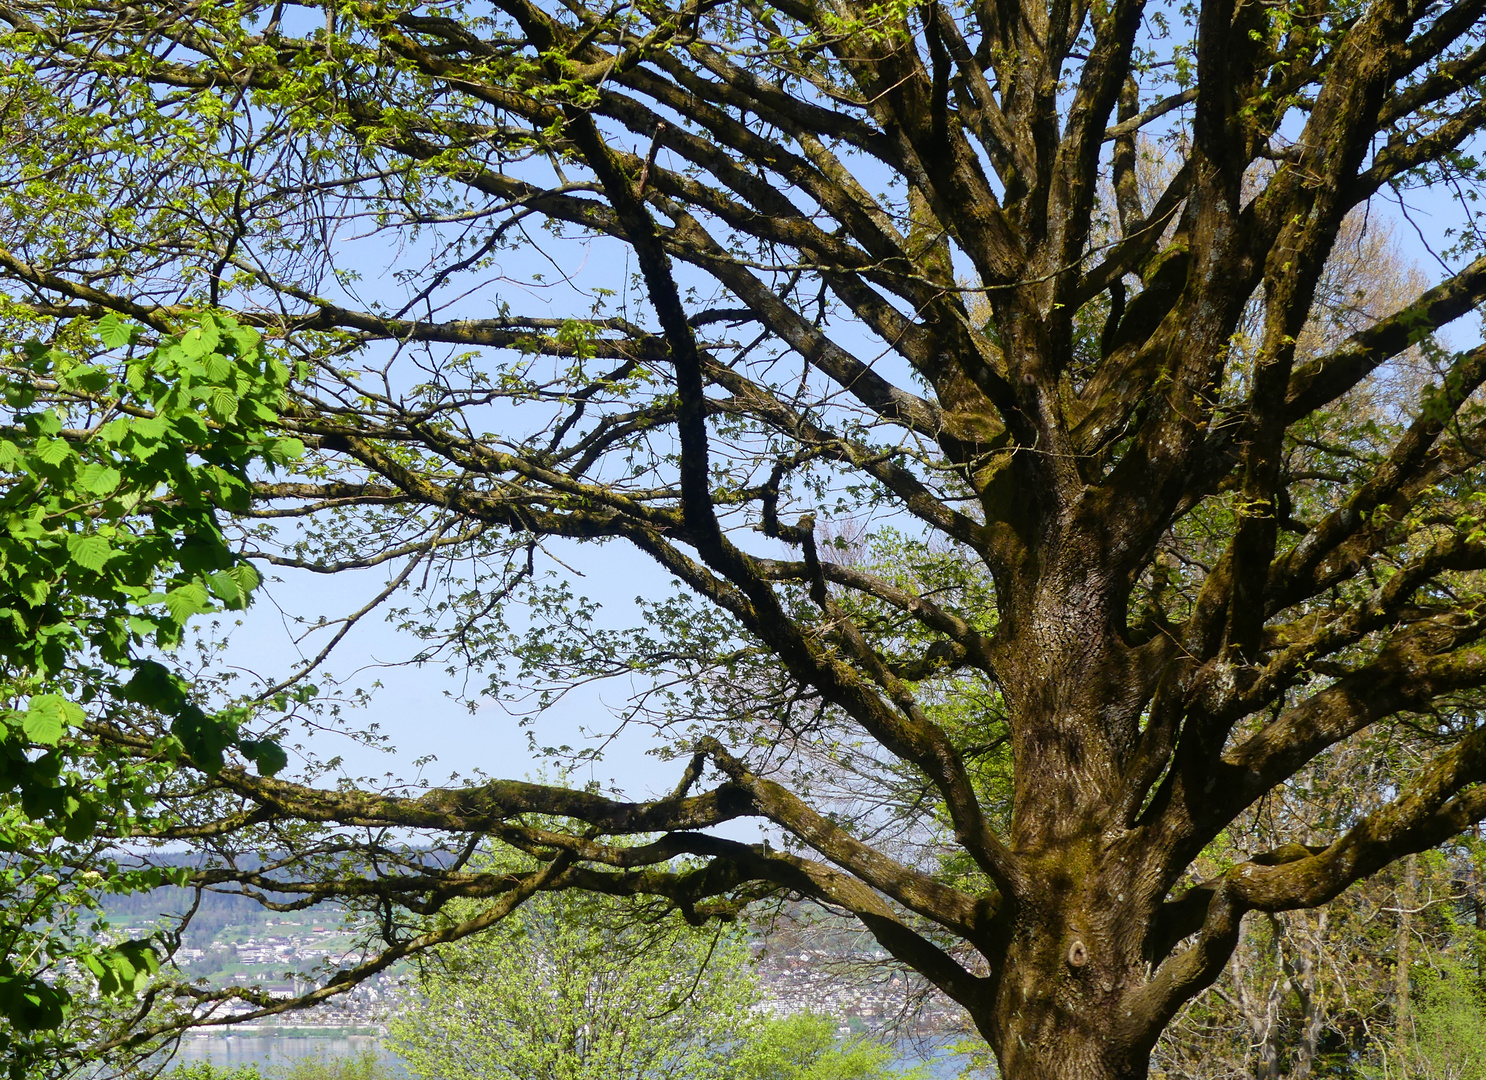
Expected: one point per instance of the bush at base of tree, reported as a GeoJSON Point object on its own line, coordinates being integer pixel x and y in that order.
{"type": "Point", "coordinates": [805, 1046]}
{"type": "Point", "coordinates": [1449, 1026]}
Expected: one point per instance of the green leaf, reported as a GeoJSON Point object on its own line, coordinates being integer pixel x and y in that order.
{"type": "Point", "coordinates": [187, 600]}
{"type": "Point", "coordinates": [53, 451]}
{"type": "Point", "coordinates": [139, 624]}
{"type": "Point", "coordinates": [30, 1004]}
{"type": "Point", "coordinates": [79, 821]}
{"type": "Point", "coordinates": [218, 367]}
{"type": "Point", "coordinates": [48, 717]}
{"type": "Point", "coordinates": [200, 339]}
{"type": "Point", "coordinates": [115, 431]}
{"type": "Point", "coordinates": [136, 961]}
{"type": "Point", "coordinates": [95, 965]}
{"type": "Point", "coordinates": [247, 576]}
{"type": "Point", "coordinates": [226, 588]}
{"type": "Point", "coordinates": [268, 756]}
{"type": "Point", "coordinates": [222, 405]}
{"type": "Point", "coordinates": [204, 737]}
{"type": "Point", "coordinates": [34, 591]}
{"type": "Point", "coordinates": [99, 479]}
{"type": "Point", "coordinates": [231, 493]}
{"type": "Point", "coordinates": [284, 450]}
{"type": "Point", "coordinates": [114, 332]}
{"type": "Point", "coordinates": [89, 552]}
{"type": "Point", "coordinates": [204, 551]}
{"type": "Point", "coordinates": [149, 428]}
{"type": "Point", "coordinates": [239, 340]}
{"type": "Point", "coordinates": [123, 969]}
{"type": "Point", "coordinates": [153, 685]}
{"type": "Point", "coordinates": [92, 379]}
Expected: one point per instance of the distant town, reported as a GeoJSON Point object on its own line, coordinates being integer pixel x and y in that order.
{"type": "Point", "coordinates": [285, 954]}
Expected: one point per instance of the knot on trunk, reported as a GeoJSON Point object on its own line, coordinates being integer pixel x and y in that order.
{"type": "Point", "coordinates": [1078, 954]}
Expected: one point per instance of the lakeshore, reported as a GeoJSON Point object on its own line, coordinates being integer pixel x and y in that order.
{"type": "Point", "coordinates": [267, 1046]}
{"type": "Point", "coordinates": [270, 1045]}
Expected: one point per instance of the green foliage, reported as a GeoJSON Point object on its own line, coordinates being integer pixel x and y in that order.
{"type": "Point", "coordinates": [580, 987]}
{"type": "Point", "coordinates": [110, 540]}
{"type": "Point", "coordinates": [572, 986]}
{"type": "Point", "coordinates": [116, 460]}
{"type": "Point", "coordinates": [363, 1066]}
{"type": "Point", "coordinates": [205, 1070]}
{"type": "Point", "coordinates": [1450, 1027]}
{"type": "Point", "coordinates": [805, 1047]}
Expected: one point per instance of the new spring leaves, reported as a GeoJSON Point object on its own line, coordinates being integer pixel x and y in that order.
{"type": "Point", "coordinates": [116, 455]}
{"type": "Point", "coordinates": [115, 468]}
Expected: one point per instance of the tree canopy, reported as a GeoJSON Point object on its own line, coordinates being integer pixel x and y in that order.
{"type": "Point", "coordinates": [1029, 291]}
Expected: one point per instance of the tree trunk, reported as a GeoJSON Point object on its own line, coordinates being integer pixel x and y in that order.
{"type": "Point", "coordinates": [1076, 932]}
{"type": "Point", "coordinates": [1044, 1040]}
{"type": "Point", "coordinates": [1260, 1004]}
{"type": "Point", "coordinates": [1402, 990]}
{"type": "Point", "coordinates": [1311, 1003]}
{"type": "Point", "coordinates": [1062, 1011]}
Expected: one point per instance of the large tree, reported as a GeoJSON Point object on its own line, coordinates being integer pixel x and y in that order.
{"type": "Point", "coordinates": [892, 264]}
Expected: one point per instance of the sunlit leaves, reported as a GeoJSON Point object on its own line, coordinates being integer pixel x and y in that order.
{"type": "Point", "coordinates": [124, 968]}
{"type": "Point", "coordinates": [115, 462]}
{"type": "Point", "coordinates": [47, 717]}
{"type": "Point", "coordinates": [555, 990]}
{"type": "Point", "coordinates": [85, 509]}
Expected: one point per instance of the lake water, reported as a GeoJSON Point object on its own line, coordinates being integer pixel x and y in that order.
{"type": "Point", "coordinates": [231, 1051]}
{"type": "Point", "coordinates": [267, 1051]}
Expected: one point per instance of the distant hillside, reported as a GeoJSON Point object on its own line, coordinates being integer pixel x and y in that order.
{"type": "Point", "coordinates": [215, 911]}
